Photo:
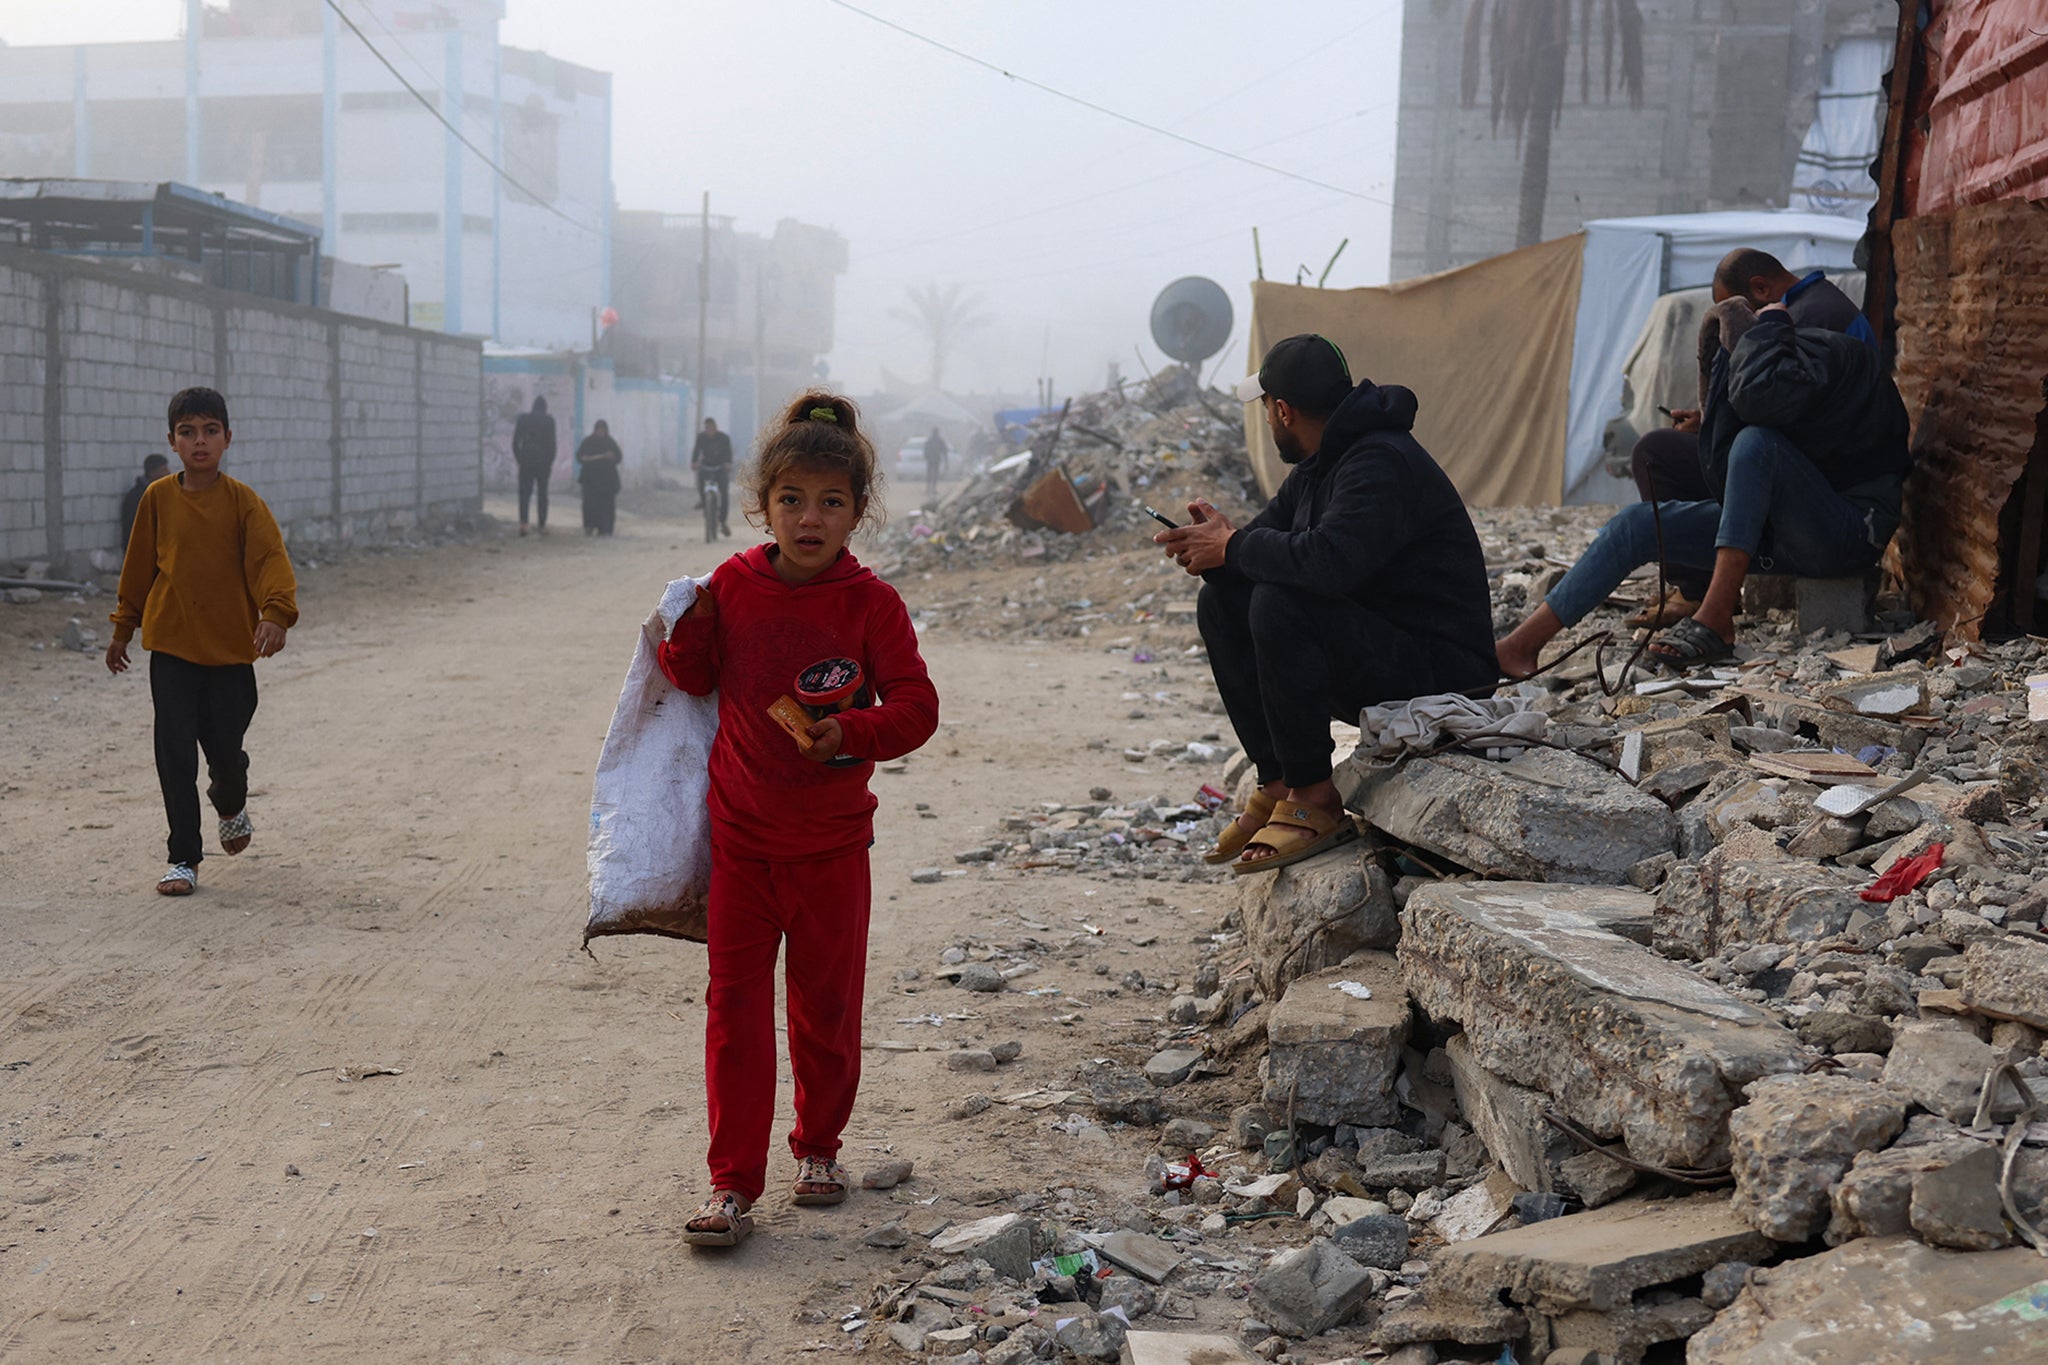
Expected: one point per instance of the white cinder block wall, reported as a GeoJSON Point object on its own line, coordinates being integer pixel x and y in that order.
{"type": "Point", "coordinates": [352, 431]}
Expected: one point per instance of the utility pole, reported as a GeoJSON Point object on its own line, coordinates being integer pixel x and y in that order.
{"type": "Point", "coordinates": [760, 340]}
{"type": "Point", "coordinates": [703, 305]}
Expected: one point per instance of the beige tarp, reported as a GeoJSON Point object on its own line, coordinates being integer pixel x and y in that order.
{"type": "Point", "coordinates": [1487, 349]}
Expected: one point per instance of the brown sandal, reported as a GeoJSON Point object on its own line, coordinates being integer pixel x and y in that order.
{"type": "Point", "coordinates": [816, 1170]}
{"type": "Point", "coordinates": [727, 1210]}
{"type": "Point", "coordinates": [1235, 836]}
{"type": "Point", "coordinates": [1323, 832]}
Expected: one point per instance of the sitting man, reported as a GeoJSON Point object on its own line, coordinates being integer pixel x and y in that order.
{"type": "Point", "coordinates": [1803, 448]}
{"type": "Point", "coordinates": [1361, 582]}
{"type": "Point", "coordinates": [1666, 463]}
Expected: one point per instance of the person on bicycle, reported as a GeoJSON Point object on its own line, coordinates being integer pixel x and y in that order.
{"type": "Point", "coordinates": [711, 460]}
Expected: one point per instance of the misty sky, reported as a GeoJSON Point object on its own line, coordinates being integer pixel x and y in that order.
{"type": "Point", "coordinates": [1067, 222]}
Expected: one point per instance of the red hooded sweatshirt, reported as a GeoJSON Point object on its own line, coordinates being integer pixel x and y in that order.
{"type": "Point", "coordinates": [767, 800]}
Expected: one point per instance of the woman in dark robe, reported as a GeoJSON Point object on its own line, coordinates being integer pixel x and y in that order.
{"type": "Point", "coordinates": [600, 457]}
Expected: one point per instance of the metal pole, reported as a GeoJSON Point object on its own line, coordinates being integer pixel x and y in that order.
{"type": "Point", "coordinates": [703, 302]}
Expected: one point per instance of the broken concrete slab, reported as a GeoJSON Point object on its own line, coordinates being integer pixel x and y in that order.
{"type": "Point", "coordinates": [1722, 899]}
{"type": "Point", "coordinates": [1184, 1348]}
{"type": "Point", "coordinates": [1626, 1042]}
{"type": "Point", "coordinates": [1379, 1240]}
{"type": "Point", "coordinates": [1310, 1289]}
{"type": "Point", "coordinates": [1942, 1069]}
{"type": "Point", "coordinates": [1172, 1066]}
{"type": "Point", "coordinates": [1794, 1139]}
{"type": "Point", "coordinates": [1625, 1335]}
{"type": "Point", "coordinates": [1547, 815]}
{"type": "Point", "coordinates": [1433, 1318]}
{"type": "Point", "coordinates": [1882, 1300]}
{"type": "Point", "coordinates": [1004, 1241]}
{"type": "Point", "coordinates": [1334, 1056]}
{"type": "Point", "coordinates": [1600, 1259]}
{"type": "Point", "coordinates": [1312, 915]}
{"type": "Point", "coordinates": [1146, 1257]}
{"type": "Point", "coordinates": [1508, 1118]}
{"type": "Point", "coordinates": [2007, 978]}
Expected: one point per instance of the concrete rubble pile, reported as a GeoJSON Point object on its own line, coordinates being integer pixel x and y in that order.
{"type": "Point", "coordinates": [1163, 442]}
{"type": "Point", "coordinates": [1634, 1048]}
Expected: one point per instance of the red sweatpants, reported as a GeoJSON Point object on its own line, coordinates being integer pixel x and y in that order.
{"type": "Point", "coordinates": [821, 907]}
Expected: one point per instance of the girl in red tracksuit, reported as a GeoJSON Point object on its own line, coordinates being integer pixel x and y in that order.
{"type": "Point", "coordinates": [790, 834]}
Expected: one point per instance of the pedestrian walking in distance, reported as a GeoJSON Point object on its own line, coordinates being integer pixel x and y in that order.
{"type": "Point", "coordinates": [533, 450]}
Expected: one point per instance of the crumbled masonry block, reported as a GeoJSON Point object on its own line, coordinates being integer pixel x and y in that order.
{"type": "Point", "coordinates": [1624, 1041]}
{"type": "Point", "coordinates": [1333, 1056]}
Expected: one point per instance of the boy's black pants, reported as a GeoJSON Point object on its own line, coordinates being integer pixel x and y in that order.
{"type": "Point", "coordinates": [200, 708]}
{"type": "Point", "coordinates": [1288, 661]}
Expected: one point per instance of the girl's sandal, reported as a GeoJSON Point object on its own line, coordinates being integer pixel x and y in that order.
{"type": "Point", "coordinates": [178, 880]}
{"type": "Point", "coordinates": [827, 1182]}
{"type": "Point", "coordinates": [720, 1221]}
{"type": "Point", "coordinates": [1235, 836]}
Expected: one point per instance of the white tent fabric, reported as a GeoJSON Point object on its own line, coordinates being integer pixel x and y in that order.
{"type": "Point", "coordinates": [1628, 262]}
{"type": "Point", "coordinates": [1833, 171]}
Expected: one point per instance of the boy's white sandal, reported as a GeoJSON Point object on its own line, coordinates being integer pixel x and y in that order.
{"type": "Point", "coordinates": [235, 833]}
{"type": "Point", "coordinates": [178, 880]}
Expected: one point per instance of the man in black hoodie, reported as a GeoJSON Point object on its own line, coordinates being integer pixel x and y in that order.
{"type": "Point", "coordinates": [533, 450]}
{"type": "Point", "coordinates": [1361, 582]}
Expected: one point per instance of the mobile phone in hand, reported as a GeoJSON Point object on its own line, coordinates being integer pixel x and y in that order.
{"type": "Point", "coordinates": [1162, 519]}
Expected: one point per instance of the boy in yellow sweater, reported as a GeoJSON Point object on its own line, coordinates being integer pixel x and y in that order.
{"type": "Point", "coordinates": [207, 578]}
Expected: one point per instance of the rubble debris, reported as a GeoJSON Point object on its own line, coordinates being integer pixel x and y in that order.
{"type": "Point", "coordinates": [2007, 978]}
{"type": "Point", "coordinates": [1310, 1289]}
{"type": "Point", "coordinates": [1004, 1241]}
{"type": "Point", "coordinates": [1943, 1069]}
{"type": "Point", "coordinates": [1627, 1043]}
{"type": "Point", "coordinates": [1794, 1139]}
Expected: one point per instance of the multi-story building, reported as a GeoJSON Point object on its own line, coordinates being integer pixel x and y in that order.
{"type": "Point", "coordinates": [280, 104]}
{"type": "Point", "coordinates": [1741, 103]}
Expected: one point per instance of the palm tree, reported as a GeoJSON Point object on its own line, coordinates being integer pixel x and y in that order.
{"type": "Point", "coordinates": [1526, 49]}
{"type": "Point", "coordinates": [941, 313]}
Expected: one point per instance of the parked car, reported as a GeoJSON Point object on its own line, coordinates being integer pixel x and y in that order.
{"type": "Point", "coordinates": [910, 458]}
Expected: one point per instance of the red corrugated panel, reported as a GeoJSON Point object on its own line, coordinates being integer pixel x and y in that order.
{"type": "Point", "coordinates": [1980, 130]}
{"type": "Point", "coordinates": [1972, 360]}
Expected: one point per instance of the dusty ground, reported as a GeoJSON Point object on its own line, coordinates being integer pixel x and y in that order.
{"type": "Point", "coordinates": [185, 1177]}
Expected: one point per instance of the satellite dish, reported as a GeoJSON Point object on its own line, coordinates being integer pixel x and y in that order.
{"type": "Point", "coordinates": [1191, 319]}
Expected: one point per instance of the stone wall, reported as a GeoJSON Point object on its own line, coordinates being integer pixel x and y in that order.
{"type": "Point", "coordinates": [352, 430]}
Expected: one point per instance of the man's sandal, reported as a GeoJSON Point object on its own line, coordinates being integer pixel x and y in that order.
{"type": "Point", "coordinates": [1309, 832]}
{"type": "Point", "coordinates": [1674, 607]}
{"type": "Point", "coordinates": [720, 1221]}
{"type": "Point", "coordinates": [235, 833]}
{"type": "Point", "coordinates": [1689, 644]}
{"type": "Point", "coordinates": [178, 880]}
{"type": "Point", "coordinates": [828, 1180]}
{"type": "Point", "coordinates": [1235, 836]}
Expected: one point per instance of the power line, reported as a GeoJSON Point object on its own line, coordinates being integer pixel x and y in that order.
{"type": "Point", "coordinates": [1133, 121]}
{"type": "Point", "coordinates": [442, 119]}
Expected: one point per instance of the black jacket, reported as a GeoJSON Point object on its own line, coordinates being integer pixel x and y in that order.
{"type": "Point", "coordinates": [713, 450]}
{"type": "Point", "coordinates": [533, 438]}
{"type": "Point", "coordinates": [1826, 393]}
{"type": "Point", "coordinates": [1373, 518]}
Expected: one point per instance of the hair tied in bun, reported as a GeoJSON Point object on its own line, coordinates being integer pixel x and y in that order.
{"type": "Point", "coordinates": [824, 415]}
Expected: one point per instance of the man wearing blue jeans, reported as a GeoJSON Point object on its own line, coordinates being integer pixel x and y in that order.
{"type": "Point", "coordinates": [1803, 437]}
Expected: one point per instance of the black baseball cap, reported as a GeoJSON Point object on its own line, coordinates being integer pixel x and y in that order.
{"type": "Point", "coordinates": [1306, 370]}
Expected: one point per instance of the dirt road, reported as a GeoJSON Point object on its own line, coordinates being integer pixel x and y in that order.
{"type": "Point", "coordinates": [184, 1176]}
